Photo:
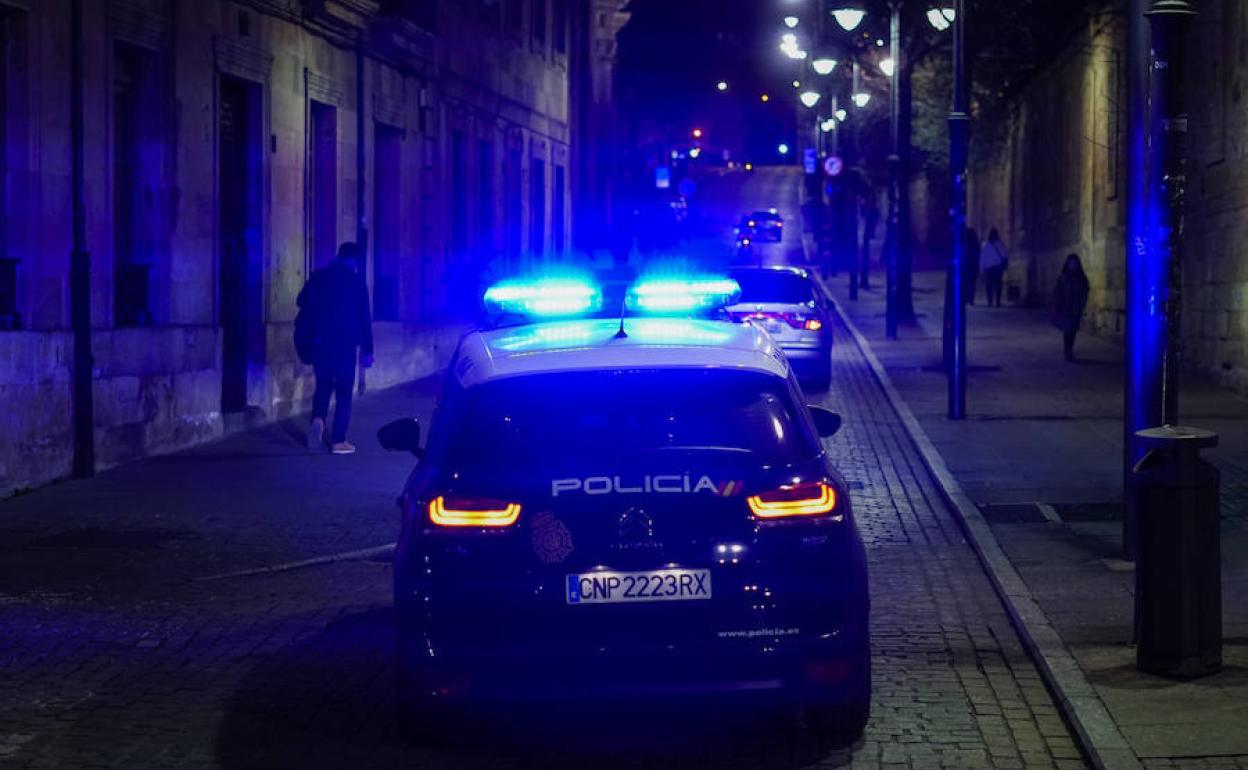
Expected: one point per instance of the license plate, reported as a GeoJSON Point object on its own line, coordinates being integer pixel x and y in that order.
{"type": "Point", "coordinates": [660, 585]}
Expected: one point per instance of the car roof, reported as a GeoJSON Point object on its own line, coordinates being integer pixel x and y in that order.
{"type": "Point", "coordinates": [593, 344]}
{"type": "Point", "coordinates": [797, 271]}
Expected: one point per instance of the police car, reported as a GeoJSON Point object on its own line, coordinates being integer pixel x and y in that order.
{"type": "Point", "coordinates": [631, 508]}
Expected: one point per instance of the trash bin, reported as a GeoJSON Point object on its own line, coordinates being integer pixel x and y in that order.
{"type": "Point", "coordinates": [1178, 569]}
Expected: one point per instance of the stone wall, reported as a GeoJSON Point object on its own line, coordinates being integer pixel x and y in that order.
{"type": "Point", "coordinates": [465, 70]}
{"type": "Point", "coordinates": [1049, 171]}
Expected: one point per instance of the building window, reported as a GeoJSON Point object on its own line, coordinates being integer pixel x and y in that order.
{"type": "Point", "coordinates": [513, 16]}
{"type": "Point", "coordinates": [485, 199]}
{"type": "Point", "coordinates": [422, 13]}
{"type": "Point", "coordinates": [559, 19]}
{"type": "Point", "coordinates": [9, 317]}
{"type": "Point", "coordinates": [459, 196]}
{"type": "Point", "coordinates": [558, 223]}
{"type": "Point", "coordinates": [537, 207]}
{"type": "Point", "coordinates": [512, 204]}
{"type": "Point", "coordinates": [135, 165]}
{"type": "Point", "coordinates": [324, 203]}
{"type": "Point", "coordinates": [538, 17]}
{"type": "Point", "coordinates": [387, 195]}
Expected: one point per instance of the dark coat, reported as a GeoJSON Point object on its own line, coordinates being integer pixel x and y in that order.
{"type": "Point", "coordinates": [1070, 297]}
{"type": "Point", "coordinates": [336, 299]}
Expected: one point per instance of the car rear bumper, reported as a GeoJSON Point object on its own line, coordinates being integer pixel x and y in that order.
{"type": "Point", "coordinates": [762, 670]}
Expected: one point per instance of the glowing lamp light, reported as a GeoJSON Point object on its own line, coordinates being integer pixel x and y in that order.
{"type": "Point", "coordinates": [697, 133]}
{"type": "Point", "coordinates": [840, 115]}
{"type": "Point", "coordinates": [797, 84]}
{"type": "Point", "coordinates": [695, 152]}
{"type": "Point", "coordinates": [823, 65]}
{"type": "Point", "coordinates": [888, 66]}
{"type": "Point", "coordinates": [809, 98]}
{"type": "Point", "coordinates": [791, 21]}
{"type": "Point", "coordinates": [543, 297]}
{"type": "Point", "coordinates": [861, 99]}
{"type": "Point", "coordinates": [809, 499]}
{"type": "Point", "coordinates": [462, 512]}
{"type": "Point", "coordinates": [941, 18]}
{"type": "Point", "coordinates": [828, 125]}
{"type": "Point", "coordinates": [764, 98]}
{"type": "Point", "coordinates": [721, 85]}
{"type": "Point", "coordinates": [849, 18]}
{"type": "Point", "coordinates": [788, 39]}
{"type": "Point", "coordinates": [678, 295]}
{"type": "Point", "coordinates": [783, 149]}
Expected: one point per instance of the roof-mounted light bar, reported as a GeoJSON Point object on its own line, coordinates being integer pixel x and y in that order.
{"type": "Point", "coordinates": [681, 295]}
{"type": "Point", "coordinates": [543, 297]}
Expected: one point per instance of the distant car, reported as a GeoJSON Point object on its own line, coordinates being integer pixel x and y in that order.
{"type": "Point", "coordinates": [792, 308]}
{"type": "Point", "coordinates": [768, 224]}
{"type": "Point", "coordinates": [626, 508]}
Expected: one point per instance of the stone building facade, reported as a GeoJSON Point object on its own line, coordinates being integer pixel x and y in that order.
{"type": "Point", "coordinates": [230, 146]}
{"type": "Point", "coordinates": [1049, 171]}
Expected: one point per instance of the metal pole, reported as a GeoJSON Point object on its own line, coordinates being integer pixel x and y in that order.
{"type": "Point", "coordinates": [1167, 181]}
{"type": "Point", "coordinates": [1142, 401]}
{"type": "Point", "coordinates": [80, 270]}
{"type": "Point", "coordinates": [894, 174]}
{"type": "Point", "coordinates": [959, 152]}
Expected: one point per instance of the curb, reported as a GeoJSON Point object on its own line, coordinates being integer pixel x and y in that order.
{"type": "Point", "coordinates": [1082, 707]}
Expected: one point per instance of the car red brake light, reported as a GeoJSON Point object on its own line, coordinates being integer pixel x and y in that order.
{"type": "Point", "coordinates": [813, 324]}
{"type": "Point", "coordinates": [813, 498]}
{"type": "Point", "coordinates": [472, 512]}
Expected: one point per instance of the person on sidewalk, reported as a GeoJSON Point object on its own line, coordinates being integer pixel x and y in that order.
{"type": "Point", "coordinates": [335, 301]}
{"type": "Point", "coordinates": [993, 260]}
{"type": "Point", "coordinates": [1070, 297]}
{"type": "Point", "coordinates": [970, 271]}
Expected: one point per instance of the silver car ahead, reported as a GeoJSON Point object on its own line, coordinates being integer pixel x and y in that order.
{"type": "Point", "coordinates": [791, 306]}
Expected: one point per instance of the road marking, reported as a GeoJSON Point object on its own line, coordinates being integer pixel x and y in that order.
{"type": "Point", "coordinates": [1049, 512]}
{"type": "Point", "coordinates": [363, 553]}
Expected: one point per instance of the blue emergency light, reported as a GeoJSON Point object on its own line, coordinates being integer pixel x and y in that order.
{"type": "Point", "coordinates": [543, 297]}
{"type": "Point", "coordinates": [669, 295]}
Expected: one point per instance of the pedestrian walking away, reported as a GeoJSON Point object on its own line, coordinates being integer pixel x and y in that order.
{"type": "Point", "coordinates": [1070, 297]}
{"type": "Point", "coordinates": [333, 326]}
{"type": "Point", "coordinates": [970, 270]}
{"type": "Point", "coordinates": [993, 260]}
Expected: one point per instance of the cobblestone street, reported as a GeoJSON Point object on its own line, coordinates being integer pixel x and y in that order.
{"type": "Point", "coordinates": [119, 657]}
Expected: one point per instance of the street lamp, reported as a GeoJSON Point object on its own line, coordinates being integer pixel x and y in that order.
{"type": "Point", "coordinates": [941, 17]}
{"type": "Point", "coordinates": [790, 21]}
{"type": "Point", "coordinates": [829, 124]}
{"type": "Point", "coordinates": [721, 85]}
{"type": "Point", "coordinates": [861, 99]}
{"type": "Point", "coordinates": [783, 149]}
{"type": "Point", "coordinates": [840, 115]}
{"type": "Point", "coordinates": [888, 66]}
{"type": "Point", "coordinates": [823, 65]}
{"type": "Point", "coordinates": [849, 16]}
{"type": "Point", "coordinates": [809, 98]}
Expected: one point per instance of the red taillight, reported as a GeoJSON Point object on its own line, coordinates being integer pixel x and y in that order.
{"type": "Point", "coordinates": [813, 498]}
{"type": "Point", "coordinates": [451, 511]}
{"type": "Point", "coordinates": [813, 324]}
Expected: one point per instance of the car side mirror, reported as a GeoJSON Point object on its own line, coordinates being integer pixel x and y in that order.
{"type": "Point", "coordinates": [400, 436]}
{"type": "Point", "coordinates": [827, 422]}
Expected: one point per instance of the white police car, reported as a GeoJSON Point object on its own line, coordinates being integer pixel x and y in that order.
{"type": "Point", "coordinates": [626, 509]}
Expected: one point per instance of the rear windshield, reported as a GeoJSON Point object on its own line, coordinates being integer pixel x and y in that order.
{"type": "Point", "coordinates": [774, 286]}
{"type": "Point", "coordinates": [549, 419]}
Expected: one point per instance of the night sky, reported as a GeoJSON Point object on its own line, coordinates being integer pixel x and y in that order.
{"type": "Point", "coordinates": [673, 53]}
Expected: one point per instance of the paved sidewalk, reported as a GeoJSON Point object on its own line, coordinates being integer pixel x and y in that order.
{"type": "Point", "coordinates": [1040, 455]}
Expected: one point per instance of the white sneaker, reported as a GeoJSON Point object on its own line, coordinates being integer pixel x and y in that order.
{"type": "Point", "coordinates": [343, 448]}
{"type": "Point", "coordinates": [316, 434]}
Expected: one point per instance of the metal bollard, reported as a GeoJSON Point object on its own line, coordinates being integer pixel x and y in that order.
{"type": "Point", "coordinates": [1178, 570]}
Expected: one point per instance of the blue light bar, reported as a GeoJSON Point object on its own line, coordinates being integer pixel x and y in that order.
{"type": "Point", "coordinates": [543, 297]}
{"type": "Point", "coordinates": [678, 296]}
